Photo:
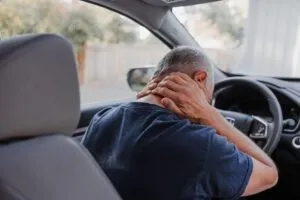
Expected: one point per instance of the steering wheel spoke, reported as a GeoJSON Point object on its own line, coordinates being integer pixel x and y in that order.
{"type": "Point", "coordinates": [260, 128]}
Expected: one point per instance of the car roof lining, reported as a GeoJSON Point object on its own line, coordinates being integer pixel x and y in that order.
{"type": "Point", "coordinates": [153, 18]}
{"type": "Point", "coordinates": [177, 3]}
{"type": "Point", "coordinates": [156, 10]}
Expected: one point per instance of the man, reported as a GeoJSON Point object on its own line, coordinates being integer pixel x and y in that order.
{"type": "Point", "coordinates": [172, 144]}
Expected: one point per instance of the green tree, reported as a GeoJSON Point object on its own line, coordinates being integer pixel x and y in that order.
{"type": "Point", "coordinates": [228, 16]}
{"type": "Point", "coordinates": [78, 22]}
{"type": "Point", "coordinates": [119, 30]}
{"type": "Point", "coordinates": [228, 19]}
{"type": "Point", "coordinates": [39, 16]}
{"type": "Point", "coordinates": [80, 27]}
{"type": "Point", "coordinates": [11, 21]}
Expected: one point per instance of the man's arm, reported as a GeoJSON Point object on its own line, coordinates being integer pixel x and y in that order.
{"type": "Point", "coordinates": [264, 174]}
{"type": "Point", "coordinates": [183, 96]}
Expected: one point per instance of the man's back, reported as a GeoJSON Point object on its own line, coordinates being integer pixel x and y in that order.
{"type": "Point", "coordinates": [150, 153]}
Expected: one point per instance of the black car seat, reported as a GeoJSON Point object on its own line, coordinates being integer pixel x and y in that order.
{"type": "Point", "coordinates": [39, 110]}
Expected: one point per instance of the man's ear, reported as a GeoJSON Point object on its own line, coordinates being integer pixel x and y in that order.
{"type": "Point", "coordinates": [200, 77]}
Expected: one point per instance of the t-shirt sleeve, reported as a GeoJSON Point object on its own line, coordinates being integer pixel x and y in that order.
{"type": "Point", "coordinates": [228, 170]}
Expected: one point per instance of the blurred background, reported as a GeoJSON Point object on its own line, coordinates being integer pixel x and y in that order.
{"type": "Point", "coordinates": [107, 44]}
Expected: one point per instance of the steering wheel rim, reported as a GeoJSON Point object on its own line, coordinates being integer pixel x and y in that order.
{"type": "Point", "coordinates": [274, 128]}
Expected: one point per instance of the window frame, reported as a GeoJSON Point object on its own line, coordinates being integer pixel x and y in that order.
{"type": "Point", "coordinates": [156, 34]}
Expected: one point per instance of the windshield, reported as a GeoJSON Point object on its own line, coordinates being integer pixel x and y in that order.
{"type": "Point", "coordinates": [247, 37]}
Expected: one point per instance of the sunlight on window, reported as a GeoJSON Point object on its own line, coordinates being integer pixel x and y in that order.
{"type": "Point", "coordinates": [143, 33]}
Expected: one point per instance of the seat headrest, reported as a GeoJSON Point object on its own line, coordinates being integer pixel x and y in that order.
{"type": "Point", "coordinates": [39, 90]}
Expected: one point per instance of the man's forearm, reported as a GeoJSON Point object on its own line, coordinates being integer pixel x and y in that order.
{"type": "Point", "coordinates": [244, 143]}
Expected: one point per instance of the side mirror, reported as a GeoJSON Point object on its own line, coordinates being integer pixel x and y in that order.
{"type": "Point", "coordinates": [137, 78]}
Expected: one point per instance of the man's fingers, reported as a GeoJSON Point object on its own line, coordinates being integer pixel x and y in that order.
{"type": "Point", "coordinates": [182, 76]}
{"type": "Point", "coordinates": [147, 90]}
{"type": "Point", "coordinates": [185, 77]}
{"type": "Point", "coordinates": [143, 93]}
{"type": "Point", "coordinates": [151, 86]}
{"type": "Point", "coordinates": [170, 105]}
{"type": "Point", "coordinates": [179, 78]}
{"type": "Point", "coordinates": [155, 80]}
{"type": "Point", "coordinates": [165, 92]}
{"type": "Point", "coordinates": [171, 85]}
{"type": "Point", "coordinates": [175, 78]}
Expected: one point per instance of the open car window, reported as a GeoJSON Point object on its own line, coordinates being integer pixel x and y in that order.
{"type": "Point", "coordinates": [106, 43]}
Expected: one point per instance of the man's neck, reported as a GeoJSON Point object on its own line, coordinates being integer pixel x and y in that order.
{"type": "Point", "coordinates": [153, 99]}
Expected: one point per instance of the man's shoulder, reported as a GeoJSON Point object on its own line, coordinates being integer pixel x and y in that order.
{"type": "Point", "coordinates": [136, 110]}
{"type": "Point", "coordinates": [160, 117]}
{"type": "Point", "coordinates": [155, 120]}
{"type": "Point", "coordinates": [175, 132]}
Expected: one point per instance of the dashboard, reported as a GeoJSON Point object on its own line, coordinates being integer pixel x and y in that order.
{"type": "Point", "coordinates": [246, 100]}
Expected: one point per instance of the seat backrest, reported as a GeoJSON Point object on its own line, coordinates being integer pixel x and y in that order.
{"type": "Point", "coordinates": [39, 109]}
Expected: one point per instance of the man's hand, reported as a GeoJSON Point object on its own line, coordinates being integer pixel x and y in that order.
{"type": "Point", "coordinates": [183, 96]}
{"type": "Point", "coordinates": [147, 90]}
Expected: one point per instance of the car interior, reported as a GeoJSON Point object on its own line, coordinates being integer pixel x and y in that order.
{"type": "Point", "coordinates": [43, 123]}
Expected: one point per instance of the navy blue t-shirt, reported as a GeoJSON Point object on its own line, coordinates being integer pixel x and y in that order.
{"type": "Point", "coordinates": [149, 153]}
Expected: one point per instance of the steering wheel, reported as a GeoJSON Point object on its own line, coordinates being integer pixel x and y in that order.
{"type": "Point", "coordinates": [260, 130]}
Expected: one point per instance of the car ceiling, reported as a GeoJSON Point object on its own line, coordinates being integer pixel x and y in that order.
{"type": "Point", "coordinates": [176, 3]}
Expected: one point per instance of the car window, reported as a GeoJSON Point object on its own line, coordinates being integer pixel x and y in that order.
{"type": "Point", "coordinates": [106, 43]}
{"type": "Point", "coordinates": [219, 27]}
{"type": "Point", "coordinates": [247, 37]}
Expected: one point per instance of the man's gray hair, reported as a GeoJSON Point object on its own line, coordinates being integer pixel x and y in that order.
{"type": "Point", "coordinates": [184, 59]}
